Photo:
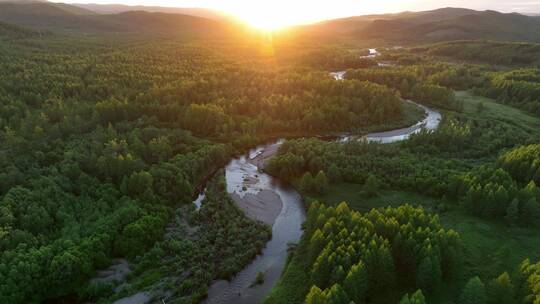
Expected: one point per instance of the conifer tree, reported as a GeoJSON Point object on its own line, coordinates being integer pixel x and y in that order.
{"type": "Point", "coordinates": [512, 212]}
{"type": "Point", "coordinates": [321, 182]}
{"type": "Point", "coordinates": [372, 186]}
{"type": "Point", "coordinates": [474, 292]}
{"type": "Point", "coordinates": [316, 296]}
{"type": "Point", "coordinates": [307, 184]}
{"type": "Point", "coordinates": [416, 298]}
{"type": "Point", "coordinates": [427, 278]}
{"type": "Point", "coordinates": [334, 175]}
{"type": "Point", "coordinates": [501, 290]}
{"type": "Point", "coordinates": [316, 245]}
{"type": "Point", "coordinates": [336, 295]}
{"type": "Point", "coordinates": [356, 282]}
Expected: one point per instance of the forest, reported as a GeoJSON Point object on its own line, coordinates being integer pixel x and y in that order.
{"type": "Point", "coordinates": [480, 165]}
{"type": "Point", "coordinates": [108, 134]}
{"type": "Point", "coordinates": [102, 144]}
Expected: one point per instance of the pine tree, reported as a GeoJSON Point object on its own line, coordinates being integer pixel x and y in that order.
{"type": "Point", "coordinates": [474, 292]}
{"type": "Point", "coordinates": [372, 186]}
{"type": "Point", "coordinates": [334, 175]}
{"type": "Point", "coordinates": [307, 183]}
{"type": "Point", "coordinates": [322, 269]}
{"type": "Point", "coordinates": [312, 215]}
{"type": "Point", "coordinates": [416, 298]}
{"type": "Point", "coordinates": [321, 182]}
{"type": "Point", "coordinates": [338, 275]}
{"type": "Point", "coordinates": [429, 274]}
{"type": "Point", "coordinates": [530, 212]}
{"type": "Point", "coordinates": [316, 296]}
{"type": "Point", "coordinates": [336, 295]}
{"type": "Point", "coordinates": [356, 282]}
{"type": "Point", "coordinates": [501, 290]}
{"type": "Point", "coordinates": [512, 212]}
{"type": "Point", "coordinates": [316, 245]}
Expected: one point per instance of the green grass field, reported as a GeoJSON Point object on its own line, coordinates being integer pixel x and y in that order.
{"type": "Point", "coordinates": [496, 111]}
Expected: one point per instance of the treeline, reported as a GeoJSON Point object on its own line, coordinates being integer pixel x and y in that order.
{"type": "Point", "coordinates": [426, 163]}
{"type": "Point", "coordinates": [430, 84]}
{"type": "Point", "coordinates": [505, 189]}
{"type": "Point", "coordinates": [103, 200]}
{"type": "Point", "coordinates": [518, 88]}
{"type": "Point", "coordinates": [504, 53]}
{"type": "Point", "coordinates": [167, 82]}
{"type": "Point", "coordinates": [522, 163]}
{"type": "Point", "coordinates": [492, 193]}
{"type": "Point", "coordinates": [521, 287]}
{"type": "Point", "coordinates": [355, 162]}
{"type": "Point", "coordinates": [89, 174]}
{"type": "Point", "coordinates": [356, 258]}
{"type": "Point", "coordinates": [336, 59]}
{"type": "Point", "coordinates": [212, 243]}
{"type": "Point", "coordinates": [438, 163]}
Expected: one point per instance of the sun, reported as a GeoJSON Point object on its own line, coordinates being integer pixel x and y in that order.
{"type": "Point", "coordinates": [266, 15]}
{"type": "Point", "coordinates": [265, 23]}
{"type": "Point", "coordinates": [271, 15]}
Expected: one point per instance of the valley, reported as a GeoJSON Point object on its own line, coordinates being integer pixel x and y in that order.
{"type": "Point", "coordinates": [177, 155]}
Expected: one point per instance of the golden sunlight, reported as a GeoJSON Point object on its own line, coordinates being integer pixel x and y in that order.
{"type": "Point", "coordinates": [266, 15]}
{"type": "Point", "coordinates": [277, 14]}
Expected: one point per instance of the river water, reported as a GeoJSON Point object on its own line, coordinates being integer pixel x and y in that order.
{"type": "Point", "coordinates": [287, 226]}
{"type": "Point", "coordinates": [286, 230]}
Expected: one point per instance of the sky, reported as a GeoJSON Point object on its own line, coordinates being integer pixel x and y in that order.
{"type": "Point", "coordinates": [287, 12]}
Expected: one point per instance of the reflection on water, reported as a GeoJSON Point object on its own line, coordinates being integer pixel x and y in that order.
{"type": "Point", "coordinates": [243, 177]}
{"type": "Point", "coordinates": [286, 229]}
{"type": "Point", "coordinates": [200, 199]}
{"type": "Point", "coordinates": [431, 122]}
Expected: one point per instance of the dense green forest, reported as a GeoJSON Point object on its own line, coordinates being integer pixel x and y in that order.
{"type": "Point", "coordinates": [493, 52]}
{"type": "Point", "coordinates": [111, 125]}
{"type": "Point", "coordinates": [103, 142]}
{"type": "Point", "coordinates": [481, 162]}
{"type": "Point", "coordinates": [507, 72]}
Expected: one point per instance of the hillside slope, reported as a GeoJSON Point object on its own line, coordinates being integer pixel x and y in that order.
{"type": "Point", "coordinates": [120, 8]}
{"type": "Point", "coordinates": [437, 25]}
{"type": "Point", "coordinates": [64, 17]}
{"type": "Point", "coordinates": [9, 31]}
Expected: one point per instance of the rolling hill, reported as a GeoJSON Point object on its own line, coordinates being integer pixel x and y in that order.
{"type": "Point", "coordinates": [436, 25]}
{"type": "Point", "coordinates": [9, 31]}
{"type": "Point", "coordinates": [402, 28]}
{"type": "Point", "coordinates": [120, 8]}
{"type": "Point", "coordinates": [64, 17]}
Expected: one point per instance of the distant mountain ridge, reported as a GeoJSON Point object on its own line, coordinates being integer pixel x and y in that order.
{"type": "Point", "coordinates": [65, 17]}
{"type": "Point", "coordinates": [120, 8]}
{"type": "Point", "coordinates": [436, 25]}
{"type": "Point", "coordinates": [407, 27]}
{"type": "Point", "coordinates": [10, 31]}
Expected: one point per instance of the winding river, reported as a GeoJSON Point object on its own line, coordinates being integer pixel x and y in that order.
{"type": "Point", "coordinates": [245, 178]}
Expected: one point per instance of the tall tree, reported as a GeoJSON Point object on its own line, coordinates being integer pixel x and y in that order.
{"type": "Point", "coordinates": [512, 212]}
{"type": "Point", "coordinates": [321, 182]}
{"type": "Point", "coordinates": [356, 282]}
{"type": "Point", "coordinates": [307, 183]}
{"type": "Point", "coordinates": [501, 290]}
{"type": "Point", "coordinates": [474, 292]}
{"type": "Point", "coordinates": [416, 298]}
{"type": "Point", "coordinates": [372, 186]}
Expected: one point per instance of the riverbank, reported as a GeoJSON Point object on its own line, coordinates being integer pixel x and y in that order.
{"type": "Point", "coordinates": [266, 199]}
{"type": "Point", "coordinates": [264, 206]}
